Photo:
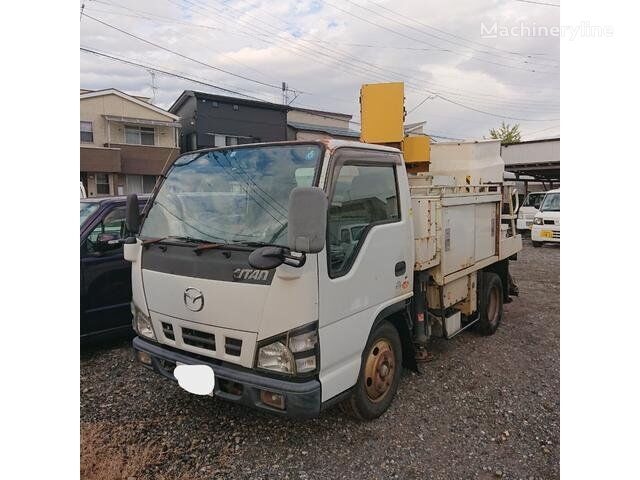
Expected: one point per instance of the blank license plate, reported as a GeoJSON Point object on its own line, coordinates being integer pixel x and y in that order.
{"type": "Point", "coordinates": [196, 379]}
{"type": "Point", "coordinates": [546, 234]}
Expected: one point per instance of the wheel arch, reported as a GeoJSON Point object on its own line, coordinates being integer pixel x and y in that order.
{"type": "Point", "coordinates": [398, 315]}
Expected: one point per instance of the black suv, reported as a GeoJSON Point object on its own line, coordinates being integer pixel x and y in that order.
{"type": "Point", "coordinates": [105, 276]}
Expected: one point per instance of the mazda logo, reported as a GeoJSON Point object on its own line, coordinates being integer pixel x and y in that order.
{"type": "Point", "coordinates": [193, 299]}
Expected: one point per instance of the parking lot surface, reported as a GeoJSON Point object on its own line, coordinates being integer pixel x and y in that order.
{"type": "Point", "coordinates": [485, 407]}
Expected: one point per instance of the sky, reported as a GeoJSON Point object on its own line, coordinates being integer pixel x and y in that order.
{"type": "Point", "coordinates": [467, 65]}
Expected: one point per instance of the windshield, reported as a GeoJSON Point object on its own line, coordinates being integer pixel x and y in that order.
{"type": "Point", "coordinates": [551, 203]}
{"type": "Point", "coordinates": [86, 209]}
{"type": "Point", "coordinates": [231, 195]}
{"type": "Point", "coordinates": [533, 200]}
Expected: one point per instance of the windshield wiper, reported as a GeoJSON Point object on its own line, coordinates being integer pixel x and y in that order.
{"type": "Point", "coordinates": [256, 244]}
{"type": "Point", "coordinates": [208, 246]}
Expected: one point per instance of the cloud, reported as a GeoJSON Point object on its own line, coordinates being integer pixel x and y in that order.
{"type": "Point", "coordinates": [434, 46]}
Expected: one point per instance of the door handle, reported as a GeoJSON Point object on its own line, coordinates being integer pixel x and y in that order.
{"type": "Point", "coordinates": [401, 268]}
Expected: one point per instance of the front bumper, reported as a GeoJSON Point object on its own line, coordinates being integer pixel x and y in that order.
{"type": "Point", "coordinates": [302, 399]}
{"type": "Point", "coordinates": [524, 223]}
{"type": "Point", "coordinates": [545, 233]}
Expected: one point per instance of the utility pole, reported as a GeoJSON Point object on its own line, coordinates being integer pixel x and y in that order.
{"type": "Point", "coordinates": [284, 93]}
{"type": "Point", "coordinates": [154, 87]}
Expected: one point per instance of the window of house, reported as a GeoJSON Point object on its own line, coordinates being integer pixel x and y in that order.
{"type": "Point", "coordinates": [148, 182]}
{"type": "Point", "coordinates": [102, 184]}
{"type": "Point", "coordinates": [139, 135]}
{"type": "Point", "coordinates": [364, 196]}
{"type": "Point", "coordinates": [219, 140]}
{"type": "Point", "coordinates": [236, 107]}
{"type": "Point", "coordinates": [86, 132]}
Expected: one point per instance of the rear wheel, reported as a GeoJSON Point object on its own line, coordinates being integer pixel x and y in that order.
{"type": "Point", "coordinates": [379, 376]}
{"type": "Point", "coordinates": [491, 303]}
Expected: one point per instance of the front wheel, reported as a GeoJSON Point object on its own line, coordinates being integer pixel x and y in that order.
{"type": "Point", "coordinates": [379, 376]}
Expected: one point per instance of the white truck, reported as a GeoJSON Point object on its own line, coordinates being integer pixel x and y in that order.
{"type": "Point", "coordinates": [546, 223]}
{"type": "Point", "coordinates": [246, 288]}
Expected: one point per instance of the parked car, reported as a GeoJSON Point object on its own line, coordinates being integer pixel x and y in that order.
{"type": "Point", "coordinates": [105, 277]}
{"type": "Point", "coordinates": [528, 209]}
{"type": "Point", "coordinates": [83, 192]}
{"type": "Point", "coordinates": [546, 223]}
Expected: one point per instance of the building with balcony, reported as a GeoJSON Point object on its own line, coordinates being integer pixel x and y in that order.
{"type": "Point", "coordinates": [125, 142]}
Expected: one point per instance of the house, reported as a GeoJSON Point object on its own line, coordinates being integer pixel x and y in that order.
{"type": "Point", "coordinates": [125, 142]}
{"type": "Point", "coordinates": [308, 124]}
{"type": "Point", "coordinates": [216, 120]}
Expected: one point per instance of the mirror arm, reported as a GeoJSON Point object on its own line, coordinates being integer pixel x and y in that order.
{"type": "Point", "coordinates": [293, 261]}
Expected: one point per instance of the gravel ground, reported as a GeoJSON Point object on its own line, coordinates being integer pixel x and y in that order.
{"type": "Point", "coordinates": [486, 407]}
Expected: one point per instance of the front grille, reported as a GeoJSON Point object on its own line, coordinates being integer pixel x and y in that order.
{"type": "Point", "coordinates": [549, 222]}
{"type": "Point", "coordinates": [233, 346]}
{"type": "Point", "coordinates": [556, 235]}
{"type": "Point", "coordinates": [195, 338]}
{"type": "Point", "coordinates": [167, 329]}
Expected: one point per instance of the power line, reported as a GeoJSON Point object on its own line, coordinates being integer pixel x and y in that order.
{"type": "Point", "coordinates": [485, 52]}
{"type": "Point", "coordinates": [182, 55]}
{"type": "Point", "coordinates": [506, 104]}
{"type": "Point", "coordinates": [449, 100]}
{"type": "Point", "coordinates": [367, 71]}
{"type": "Point", "coordinates": [539, 3]}
{"type": "Point", "coordinates": [526, 55]}
{"type": "Point", "coordinates": [384, 27]}
{"type": "Point", "coordinates": [182, 76]}
{"type": "Point", "coordinates": [166, 72]}
{"type": "Point", "coordinates": [154, 17]}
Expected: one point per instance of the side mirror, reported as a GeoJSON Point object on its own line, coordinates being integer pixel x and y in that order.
{"type": "Point", "coordinates": [133, 214]}
{"type": "Point", "coordinates": [307, 220]}
{"type": "Point", "coordinates": [107, 241]}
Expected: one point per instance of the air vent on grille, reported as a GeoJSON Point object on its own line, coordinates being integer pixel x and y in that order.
{"type": "Point", "coordinates": [549, 222]}
{"type": "Point", "coordinates": [167, 329]}
{"type": "Point", "coordinates": [198, 339]}
{"type": "Point", "coordinates": [233, 346]}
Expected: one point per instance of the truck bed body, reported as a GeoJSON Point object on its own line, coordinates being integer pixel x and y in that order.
{"type": "Point", "coordinates": [459, 225]}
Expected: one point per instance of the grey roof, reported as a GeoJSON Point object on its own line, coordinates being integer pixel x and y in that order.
{"type": "Point", "coordinates": [337, 131]}
{"type": "Point", "coordinates": [224, 98]}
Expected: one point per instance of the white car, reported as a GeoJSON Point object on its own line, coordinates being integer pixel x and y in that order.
{"type": "Point", "coordinates": [546, 223]}
{"type": "Point", "coordinates": [528, 210]}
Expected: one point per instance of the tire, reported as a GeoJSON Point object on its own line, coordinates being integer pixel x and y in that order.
{"type": "Point", "coordinates": [381, 359]}
{"type": "Point", "coordinates": [536, 244]}
{"type": "Point", "coordinates": [491, 303]}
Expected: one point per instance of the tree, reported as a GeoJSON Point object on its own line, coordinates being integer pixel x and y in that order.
{"type": "Point", "coordinates": [506, 133]}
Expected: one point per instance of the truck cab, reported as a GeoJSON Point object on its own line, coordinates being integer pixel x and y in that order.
{"type": "Point", "coordinates": [288, 338]}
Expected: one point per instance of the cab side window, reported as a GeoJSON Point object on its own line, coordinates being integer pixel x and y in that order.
{"type": "Point", "coordinates": [364, 196]}
{"type": "Point", "coordinates": [111, 228]}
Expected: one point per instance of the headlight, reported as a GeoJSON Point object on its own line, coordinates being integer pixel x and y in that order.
{"type": "Point", "coordinates": [295, 352]}
{"type": "Point", "coordinates": [537, 221]}
{"type": "Point", "coordinates": [277, 357]}
{"type": "Point", "coordinates": [142, 323]}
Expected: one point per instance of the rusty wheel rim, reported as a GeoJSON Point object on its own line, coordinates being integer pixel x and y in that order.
{"type": "Point", "coordinates": [380, 370]}
{"type": "Point", "coordinates": [493, 309]}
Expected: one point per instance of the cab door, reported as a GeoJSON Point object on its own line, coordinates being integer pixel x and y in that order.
{"type": "Point", "coordinates": [106, 276]}
{"type": "Point", "coordinates": [360, 280]}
